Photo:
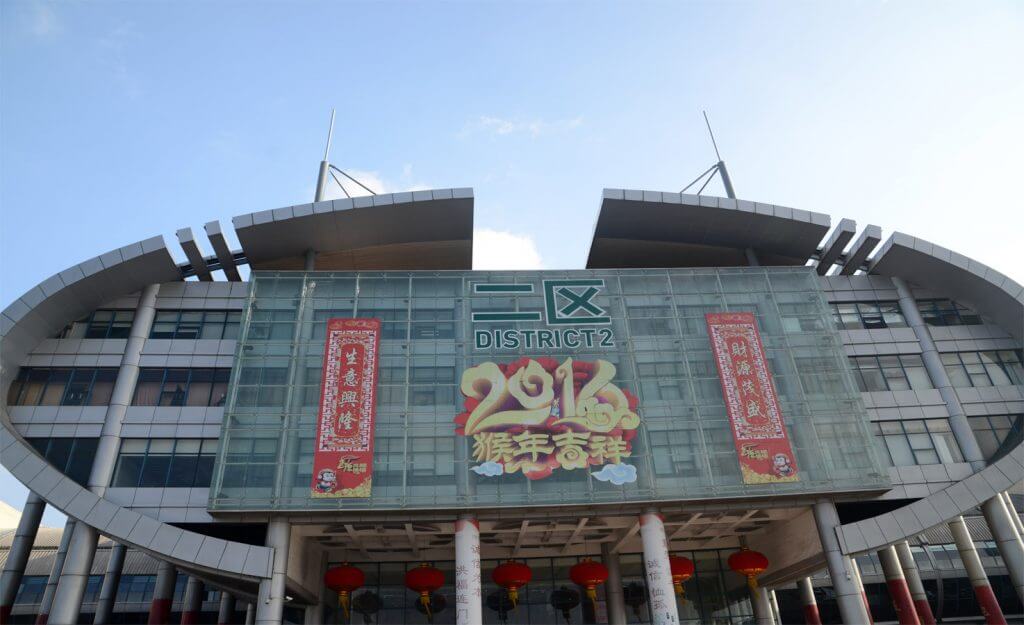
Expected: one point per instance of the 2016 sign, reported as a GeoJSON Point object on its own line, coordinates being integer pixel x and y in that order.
{"type": "Point", "coordinates": [533, 416]}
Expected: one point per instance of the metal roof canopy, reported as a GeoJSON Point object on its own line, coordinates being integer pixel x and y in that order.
{"type": "Point", "coordinates": [638, 229]}
{"type": "Point", "coordinates": [430, 230]}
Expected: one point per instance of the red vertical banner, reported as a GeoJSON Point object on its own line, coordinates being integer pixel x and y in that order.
{"type": "Point", "coordinates": [343, 456]}
{"type": "Point", "coordinates": [762, 445]}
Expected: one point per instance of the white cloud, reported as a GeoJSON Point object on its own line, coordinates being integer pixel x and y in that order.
{"type": "Point", "coordinates": [533, 127]}
{"type": "Point", "coordinates": [498, 249]}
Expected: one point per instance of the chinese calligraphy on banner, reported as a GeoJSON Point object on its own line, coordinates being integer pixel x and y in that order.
{"type": "Point", "coordinates": [343, 456]}
{"type": "Point", "coordinates": [533, 416]}
{"type": "Point", "coordinates": [762, 445]}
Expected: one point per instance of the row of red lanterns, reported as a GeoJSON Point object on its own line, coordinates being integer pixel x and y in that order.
{"type": "Point", "coordinates": [512, 576]}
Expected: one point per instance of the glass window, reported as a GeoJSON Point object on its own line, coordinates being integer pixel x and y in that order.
{"type": "Point", "coordinates": [945, 312]}
{"type": "Point", "coordinates": [997, 434]}
{"type": "Point", "coordinates": [867, 315]}
{"type": "Point", "coordinates": [987, 368]}
{"type": "Point", "coordinates": [181, 387]}
{"type": "Point", "coordinates": [196, 324]}
{"type": "Point", "coordinates": [72, 456]}
{"type": "Point", "coordinates": [165, 462]}
{"type": "Point", "coordinates": [44, 386]}
{"type": "Point", "coordinates": [891, 373]}
{"type": "Point", "coordinates": [918, 441]}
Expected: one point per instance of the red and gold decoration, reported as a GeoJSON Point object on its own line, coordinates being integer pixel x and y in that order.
{"type": "Point", "coordinates": [537, 415]}
{"type": "Point", "coordinates": [749, 564]}
{"type": "Point", "coordinates": [762, 444]}
{"type": "Point", "coordinates": [343, 456]}
{"type": "Point", "coordinates": [589, 575]}
{"type": "Point", "coordinates": [344, 580]}
{"type": "Point", "coordinates": [682, 570]}
{"type": "Point", "coordinates": [424, 579]}
{"type": "Point", "coordinates": [512, 576]}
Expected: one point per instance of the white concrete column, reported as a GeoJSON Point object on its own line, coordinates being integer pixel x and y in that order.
{"type": "Point", "coordinates": [111, 580]}
{"type": "Point", "coordinates": [226, 609]}
{"type": "Point", "coordinates": [661, 595]}
{"type": "Point", "coordinates": [193, 604]}
{"type": "Point", "coordinates": [1004, 531]}
{"type": "Point", "coordinates": [899, 590]}
{"type": "Point", "coordinates": [810, 604]}
{"type": "Point", "coordinates": [67, 602]}
{"type": "Point", "coordinates": [762, 606]}
{"type": "Point", "coordinates": [1014, 514]}
{"type": "Point", "coordinates": [976, 573]}
{"type": "Point", "coordinates": [17, 556]}
{"type": "Point", "coordinates": [163, 594]}
{"type": "Point", "coordinates": [1003, 527]}
{"type": "Point", "coordinates": [613, 587]}
{"type": "Point", "coordinates": [913, 576]}
{"type": "Point", "coordinates": [468, 596]}
{"type": "Point", "coordinates": [67, 599]}
{"type": "Point", "coordinates": [46, 602]}
{"type": "Point", "coordinates": [124, 388]}
{"type": "Point", "coordinates": [250, 614]}
{"type": "Point", "coordinates": [776, 613]}
{"type": "Point", "coordinates": [840, 567]}
{"type": "Point", "coordinates": [270, 601]}
{"type": "Point", "coordinates": [863, 590]}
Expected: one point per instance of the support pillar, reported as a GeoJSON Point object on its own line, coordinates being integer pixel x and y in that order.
{"type": "Point", "coordinates": [1004, 532]}
{"type": "Point", "coordinates": [762, 606]}
{"type": "Point", "coordinates": [17, 556]}
{"type": "Point", "coordinates": [250, 614]}
{"type": "Point", "coordinates": [468, 596]}
{"type": "Point", "coordinates": [661, 598]}
{"type": "Point", "coordinates": [1014, 514]}
{"type": "Point", "coordinates": [67, 598]}
{"type": "Point", "coordinates": [270, 600]}
{"type": "Point", "coordinates": [913, 575]}
{"type": "Point", "coordinates": [67, 603]}
{"type": "Point", "coordinates": [163, 594]}
{"type": "Point", "coordinates": [613, 587]}
{"type": "Point", "coordinates": [976, 573]}
{"type": "Point", "coordinates": [1002, 526]}
{"type": "Point", "coordinates": [111, 580]}
{"type": "Point", "coordinates": [776, 613]}
{"type": "Point", "coordinates": [193, 603]}
{"type": "Point", "coordinates": [852, 608]}
{"type": "Point", "coordinates": [810, 604]}
{"type": "Point", "coordinates": [226, 610]}
{"type": "Point", "coordinates": [863, 590]}
{"type": "Point", "coordinates": [899, 590]}
{"type": "Point", "coordinates": [46, 602]}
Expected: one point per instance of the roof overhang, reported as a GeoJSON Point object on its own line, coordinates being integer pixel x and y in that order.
{"type": "Point", "coordinates": [954, 275]}
{"type": "Point", "coordinates": [637, 229]}
{"type": "Point", "coordinates": [428, 230]}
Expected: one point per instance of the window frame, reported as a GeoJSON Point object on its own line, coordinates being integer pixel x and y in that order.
{"type": "Point", "coordinates": [207, 449]}
{"type": "Point", "coordinates": [906, 437]}
{"type": "Point", "coordinates": [862, 309]}
{"type": "Point", "coordinates": [194, 330]}
{"type": "Point", "coordinates": [900, 364]}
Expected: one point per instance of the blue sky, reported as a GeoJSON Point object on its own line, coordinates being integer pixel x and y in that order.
{"type": "Point", "coordinates": [120, 120]}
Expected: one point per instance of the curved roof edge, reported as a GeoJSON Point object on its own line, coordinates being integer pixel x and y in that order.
{"type": "Point", "coordinates": [417, 229]}
{"type": "Point", "coordinates": [651, 228]}
{"type": "Point", "coordinates": [39, 313]}
{"type": "Point", "coordinates": [942, 270]}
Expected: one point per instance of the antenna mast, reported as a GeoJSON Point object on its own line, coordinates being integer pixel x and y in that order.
{"type": "Point", "coordinates": [321, 181]}
{"type": "Point", "coordinates": [718, 168]}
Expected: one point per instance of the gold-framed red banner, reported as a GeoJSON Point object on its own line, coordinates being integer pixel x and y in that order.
{"type": "Point", "coordinates": [343, 455]}
{"type": "Point", "coordinates": [762, 444]}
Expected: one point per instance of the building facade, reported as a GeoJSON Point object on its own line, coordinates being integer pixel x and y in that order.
{"type": "Point", "coordinates": [738, 385]}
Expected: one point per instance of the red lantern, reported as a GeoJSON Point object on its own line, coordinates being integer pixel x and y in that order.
{"type": "Point", "coordinates": [590, 575]}
{"type": "Point", "coordinates": [749, 564]}
{"type": "Point", "coordinates": [424, 580]}
{"type": "Point", "coordinates": [682, 570]}
{"type": "Point", "coordinates": [512, 576]}
{"type": "Point", "coordinates": [344, 580]}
